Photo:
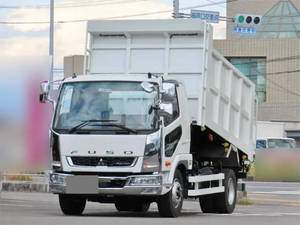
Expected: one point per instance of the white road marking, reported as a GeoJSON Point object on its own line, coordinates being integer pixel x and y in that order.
{"type": "Point", "coordinates": [270, 183]}
{"type": "Point", "coordinates": [268, 187]}
{"type": "Point", "coordinates": [16, 205]}
{"type": "Point", "coordinates": [258, 214]}
{"type": "Point", "coordinates": [295, 192]}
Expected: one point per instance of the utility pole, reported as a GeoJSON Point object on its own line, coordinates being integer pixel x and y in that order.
{"type": "Point", "coordinates": [176, 9]}
{"type": "Point", "coordinates": [51, 37]}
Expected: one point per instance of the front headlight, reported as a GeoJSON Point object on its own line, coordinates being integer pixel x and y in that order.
{"type": "Point", "coordinates": [145, 181]}
{"type": "Point", "coordinates": [151, 154]}
{"type": "Point", "coordinates": [152, 144]}
{"type": "Point", "coordinates": [58, 179]}
{"type": "Point", "coordinates": [55, 151]}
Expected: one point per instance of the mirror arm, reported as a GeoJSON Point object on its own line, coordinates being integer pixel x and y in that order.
{"type": "Point", "coordinates": [163, 113]}
{"type": "Point", "coordinates": [52, 103]}
{"type": "Point", "coordinates": [162, 91]}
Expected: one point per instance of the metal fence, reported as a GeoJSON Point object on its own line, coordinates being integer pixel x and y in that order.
{"type": "Point", "coordinates": [25, 177]}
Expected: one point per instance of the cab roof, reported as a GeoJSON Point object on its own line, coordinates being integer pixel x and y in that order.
{"type": "Point", "coordinates": [101, 77]}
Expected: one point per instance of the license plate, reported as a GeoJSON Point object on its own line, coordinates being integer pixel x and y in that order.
{"type": "Point", "coordinates": [82, 185]}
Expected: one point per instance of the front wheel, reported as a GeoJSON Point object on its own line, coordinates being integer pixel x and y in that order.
{"type": "Point", "coordinates": [71, 204]}
{"type": "Point", "coordinates": [170, 204]}
{"type": "Point", "coordinates": [141, 207]}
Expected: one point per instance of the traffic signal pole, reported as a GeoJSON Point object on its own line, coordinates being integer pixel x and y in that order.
{"type": "Point", "coordinates": [51, 37]}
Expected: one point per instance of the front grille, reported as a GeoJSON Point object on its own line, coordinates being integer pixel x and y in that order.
{"type": "Point", "coordinates": [103, 161]}
{"type": "Point", "coordinates": [112, 184]}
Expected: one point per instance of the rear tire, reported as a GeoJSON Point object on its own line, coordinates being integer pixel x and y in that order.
{"type": "Point", "coordinates": [124, 205]}
{"type": "Point", "coordinates": [170, 204]}
{"type": "Point", "coordinates": [207, 203]}
{"type": "Point", "coordinates": [71, 204]}
{"type": "Point", "coordinates": [226, 201]}
{"type": "Point", "coordinates": [221, 202]}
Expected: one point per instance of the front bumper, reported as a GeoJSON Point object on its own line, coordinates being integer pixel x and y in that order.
{"type": "Point", "coordinates": [105, 185]}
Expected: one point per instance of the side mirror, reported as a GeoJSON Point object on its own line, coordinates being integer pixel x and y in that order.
{"type": "Point", "coordinates": [44, 91]}
{"type": "Point", "coordinates": [148, 87]}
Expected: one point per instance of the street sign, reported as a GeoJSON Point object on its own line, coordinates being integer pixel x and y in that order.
{"type": "Point", "coordinates": [208, 16]}
{"type": "Point", "coordinates": [244, 30]}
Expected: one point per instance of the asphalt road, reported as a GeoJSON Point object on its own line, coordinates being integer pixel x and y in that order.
{"type": "Point", "coordinates": [276, 203]}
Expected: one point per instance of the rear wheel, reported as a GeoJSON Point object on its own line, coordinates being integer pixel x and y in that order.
{"type": "Point", "coordinates": [207, 203]}
{"type": "Point", "coordinates": [221, 202]}
{"type": "Point", "coordinates": [71, 204]}
{"type": "Point", "coordinates": [170, 204]}
{"type": "Point", "coordinates": [226, 201]}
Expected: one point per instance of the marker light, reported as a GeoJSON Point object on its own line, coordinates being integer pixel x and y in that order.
{"type": "Point", "coordinates": [241, 19]}
{"type": "Point", "coordinates": [248, 19]}
{"type": "Point", "coordinates": [256, 20]}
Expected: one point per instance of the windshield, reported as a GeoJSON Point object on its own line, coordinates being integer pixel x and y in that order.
{"type": "Point", "coordinates": [105, 104]}
{"type": "Point", "coordinates": [281, 143]}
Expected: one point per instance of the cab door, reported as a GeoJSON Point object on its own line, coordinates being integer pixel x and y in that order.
{"type": "Point", "coordinates": [175, 139]}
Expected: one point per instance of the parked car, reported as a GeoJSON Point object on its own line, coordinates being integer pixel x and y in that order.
{"type": "Point", "coordinates": [275, 143]}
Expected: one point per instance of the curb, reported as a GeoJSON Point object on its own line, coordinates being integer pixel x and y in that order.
{"type": "Point", "coordinates": [241, 196]}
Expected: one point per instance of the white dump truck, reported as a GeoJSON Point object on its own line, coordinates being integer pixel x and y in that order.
{"type": "Point", "coordinates": [159, 116]}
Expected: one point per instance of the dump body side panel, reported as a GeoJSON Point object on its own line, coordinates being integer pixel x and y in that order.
{"type": "Point", "coordinates": [219, 96]}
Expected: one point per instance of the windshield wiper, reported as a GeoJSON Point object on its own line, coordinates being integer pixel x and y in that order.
{"type": "Point", "coordinates": [119, 126]}
{"type": "Point", "coordinates": [86, 122]}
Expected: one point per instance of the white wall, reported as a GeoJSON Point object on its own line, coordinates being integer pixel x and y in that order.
{"type": "Point", "coordinates": [270, 129]}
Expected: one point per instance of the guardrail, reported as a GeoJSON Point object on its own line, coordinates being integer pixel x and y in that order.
{"type": "Point", "coordinates": [28, 182]}
{"type": "Point", "coordinates": [26, 177]}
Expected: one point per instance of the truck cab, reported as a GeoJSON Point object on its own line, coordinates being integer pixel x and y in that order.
{"type": "Point", "coordinates": [114, 129]}
{"type": "Point", "coordinates": [113, 125]}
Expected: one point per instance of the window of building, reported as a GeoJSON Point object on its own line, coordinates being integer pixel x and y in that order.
{"type": "Point", "coordinates": [255, 70]}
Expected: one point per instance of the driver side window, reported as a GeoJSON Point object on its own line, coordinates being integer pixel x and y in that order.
{"type": "Point", "coordinates": [172, 100]}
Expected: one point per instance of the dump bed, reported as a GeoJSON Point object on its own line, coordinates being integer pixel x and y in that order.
{"type": "Point", "coordinates": [220, 97]}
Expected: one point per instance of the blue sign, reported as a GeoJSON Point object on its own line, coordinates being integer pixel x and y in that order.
{"type": "Point", "coordinates": [208, 16]}
{"type": "Point", "coordinates": [244, 30]}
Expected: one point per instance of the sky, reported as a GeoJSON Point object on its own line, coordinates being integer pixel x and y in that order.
{"type": "Point", "coordinates": [33, 39]}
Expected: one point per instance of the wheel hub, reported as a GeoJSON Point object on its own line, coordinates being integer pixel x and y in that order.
{"type": "Point", "coordinates": [176, 193]}
{"type": "Point", "coordinates": [231, 191]}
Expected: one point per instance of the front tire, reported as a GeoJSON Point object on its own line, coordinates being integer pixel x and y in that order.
{"type": "Point", "coordinates": [71, 204]}
{"type": "Point", "coordinates": [170, 204]}
{"type": "Point", "coordinates": [124, 205]}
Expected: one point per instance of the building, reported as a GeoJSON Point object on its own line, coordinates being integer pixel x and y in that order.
{"type": "Point", "coordinates": [270, 58]}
